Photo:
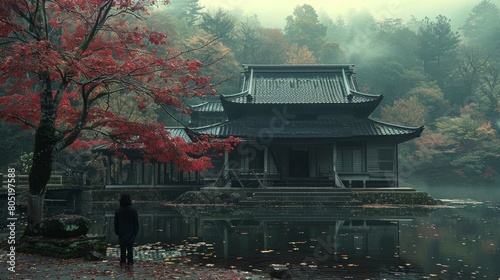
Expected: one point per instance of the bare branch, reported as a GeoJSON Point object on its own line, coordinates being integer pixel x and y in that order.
{"type": "Point", "coordinates": [206, 44]}
{"type": "Point", "coordinates": [99, 22]}
{"type": "Point", "coordinates": [23, 120]}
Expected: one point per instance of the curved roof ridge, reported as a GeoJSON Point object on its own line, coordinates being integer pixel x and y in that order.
{"type": "Point", "coordinates": [199, 105]}
{"type": "Point", "coordinates": [209, 125]}
{"type": "Point", "coordinates": [209, 106]}
{"type": "Point", "coordinates": [299, 66]}
{"type": "Point", "coordinates": [366, 94]}
{"type": "Point", "coordinates": [399, 126]}
{"type": "Point", "coordinates": [234, 95]}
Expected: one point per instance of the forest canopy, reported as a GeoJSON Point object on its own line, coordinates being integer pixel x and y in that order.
{"type": "Point", "coordinates": [436, 70]}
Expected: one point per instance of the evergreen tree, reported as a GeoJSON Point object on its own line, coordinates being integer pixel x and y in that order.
{"type": "Point", "coordinates": [248, 43]}
{"type": "Point", "coordinates": [435, 39]}
{"type": "Point", "coordinates": [304, 29]}
{"type": "Point", "coordinates": [188, 10]}
{"type": "Point", "coordinates": [220, 24]}
{"type": "Point", "coordinates": [482, 26]}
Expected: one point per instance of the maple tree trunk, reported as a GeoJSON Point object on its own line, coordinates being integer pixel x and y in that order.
{"type": "Point", "coordinates": [43, 155]}
{"type": "Point", "coordinates": [35, 213]}
{"type": "Point", "coordinates": [39, 176]}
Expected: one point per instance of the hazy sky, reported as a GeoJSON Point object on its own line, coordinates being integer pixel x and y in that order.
{"type": "Point", "coordinates": [272, 13]}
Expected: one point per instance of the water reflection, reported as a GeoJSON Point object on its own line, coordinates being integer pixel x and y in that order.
{"type": "Point", "coordinates": [458, 241]}
{"type": "Point", "coordinates": [307, 242]}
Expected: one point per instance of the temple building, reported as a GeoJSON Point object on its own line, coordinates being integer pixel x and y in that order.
{"type": "Point", "coordinates": [300, 125]}
{"type": "Point", "coordinates": [303, 125]}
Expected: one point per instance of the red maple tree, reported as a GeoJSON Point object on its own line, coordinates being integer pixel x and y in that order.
{"type": "Point", "coordinates": [59, 58]}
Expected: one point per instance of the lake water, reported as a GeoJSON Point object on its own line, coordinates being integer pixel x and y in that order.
{"type": "Point", "coordinates": [458, 241]}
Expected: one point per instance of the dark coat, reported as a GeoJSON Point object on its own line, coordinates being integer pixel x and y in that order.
{"type": "Point", "coordinates": [126, 221]}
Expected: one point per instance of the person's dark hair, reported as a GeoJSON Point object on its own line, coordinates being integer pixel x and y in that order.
{"type": "Point", "coordinates": [125, 200]}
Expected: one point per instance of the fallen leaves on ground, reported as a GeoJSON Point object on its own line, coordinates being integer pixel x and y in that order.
{"type": "Point", "coordinates": [40, 267]}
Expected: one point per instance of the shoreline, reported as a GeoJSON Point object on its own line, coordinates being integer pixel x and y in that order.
{"type": "Point", "coordinates": [29, 266]}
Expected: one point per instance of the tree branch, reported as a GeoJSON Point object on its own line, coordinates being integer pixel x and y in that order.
{"type": "Point", "coordinates": [99, 22]}
{"type": "Point", "coordinates": [23, 120]}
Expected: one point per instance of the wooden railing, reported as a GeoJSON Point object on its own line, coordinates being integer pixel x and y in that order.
{"type": "Point", "coordinates": [56, 181]}
{"type": "Point", "coordinates": [226, 176]}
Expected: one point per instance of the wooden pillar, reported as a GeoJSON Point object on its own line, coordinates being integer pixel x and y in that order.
{"type": "Point", "coordinates": [337, 180]}
{"type": "Point", "coordinates": [171, 172]}
{"type": "Point", "coordinates": [138, 172]}
{"type": "Point", "coordinates": [120, 171]}
{"type": "Point", "coordinates": [153, 174]}
{"type": "Point", "coordinates": [334, 159]}
{"type": "Point", "coordinates": [108, 171]}
{"type": "Point", "coordinates": [265, 230]}
{"type": "Point", "coordinates": [159, 174]}
{"type": "Point", "coordinates": [199, 230]}
{"type": "Point", "coordinates": [396, 167]}
{"type": "Point", "coordinates": [226, 162]}
{"type": "Point", "coordinates": [167, 173]}
{"type": "Point", "coordinates": [266, 160]}
{"type": "Point", "coordinates": [226, 242]}
{"type": "Point", "coordinates": [143, 173]}
{"type": "Point", "coordinates": [131, 172]}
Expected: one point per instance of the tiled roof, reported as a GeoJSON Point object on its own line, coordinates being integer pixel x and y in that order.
{"type": "Point", "coordinates": [322, 128]}
{"type": "Point", "coordinates": [179, 132]}
{"type": "Point", "coordinates": [212, 106]}
{"type": "Point", "coordinates": [174, 132]}
{"type": "Point", "coordinates": [308, 84]}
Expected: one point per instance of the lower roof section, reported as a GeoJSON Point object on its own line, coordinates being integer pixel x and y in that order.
{"type": "Point", "coordinates": [333, 128]}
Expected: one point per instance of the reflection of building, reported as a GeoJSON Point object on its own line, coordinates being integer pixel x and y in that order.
{"type": "Point", "coordinates": [308, 248]}
{"type": "Point", "coordinates": [259, 241]}
{"type": "Point", "coordinates": [253, 234]}
{"type": "Point", "coordinates": [301, 125]}
{"type": "Point", "coordinates": [164, 225]}
{"type": "Point", "coordinates": [307, 124]}
{"type": "Point", "coordinates": [352, 237]}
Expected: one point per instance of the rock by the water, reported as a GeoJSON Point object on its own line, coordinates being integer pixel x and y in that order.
{"type": "Point", "coordinates": [90, 247]}
{"type": "Point", "coordinates": [64, 226]}
{"type": "Point", "coordinates": [280, 272]}
{"type": "Point", "coordinates": [95, 256]}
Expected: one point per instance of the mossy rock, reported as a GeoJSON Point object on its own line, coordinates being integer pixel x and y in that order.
{"type": "Point", "coordinates": [90, 247]}
{"type": "Point", "coordinates": [399, 198]}
{"type": "Point", "coordinates": [64, 226]}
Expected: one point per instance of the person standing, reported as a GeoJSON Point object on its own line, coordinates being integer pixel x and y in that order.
{"type": "Point", "coordinates": [126, 227]}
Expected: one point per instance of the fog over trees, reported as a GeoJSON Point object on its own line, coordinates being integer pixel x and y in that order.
{"type": "Point", "coordinates": [436, 70]}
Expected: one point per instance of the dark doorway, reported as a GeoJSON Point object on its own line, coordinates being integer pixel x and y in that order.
{"type": "Point", "coordinates": [299, 163]}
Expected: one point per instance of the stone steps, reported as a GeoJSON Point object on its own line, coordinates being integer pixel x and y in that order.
{"type": "Point", "coordinates": [308, 197]}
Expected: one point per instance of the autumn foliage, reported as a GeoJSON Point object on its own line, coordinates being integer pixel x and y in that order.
{"type": "Point", "coordinates": [60, 61]}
